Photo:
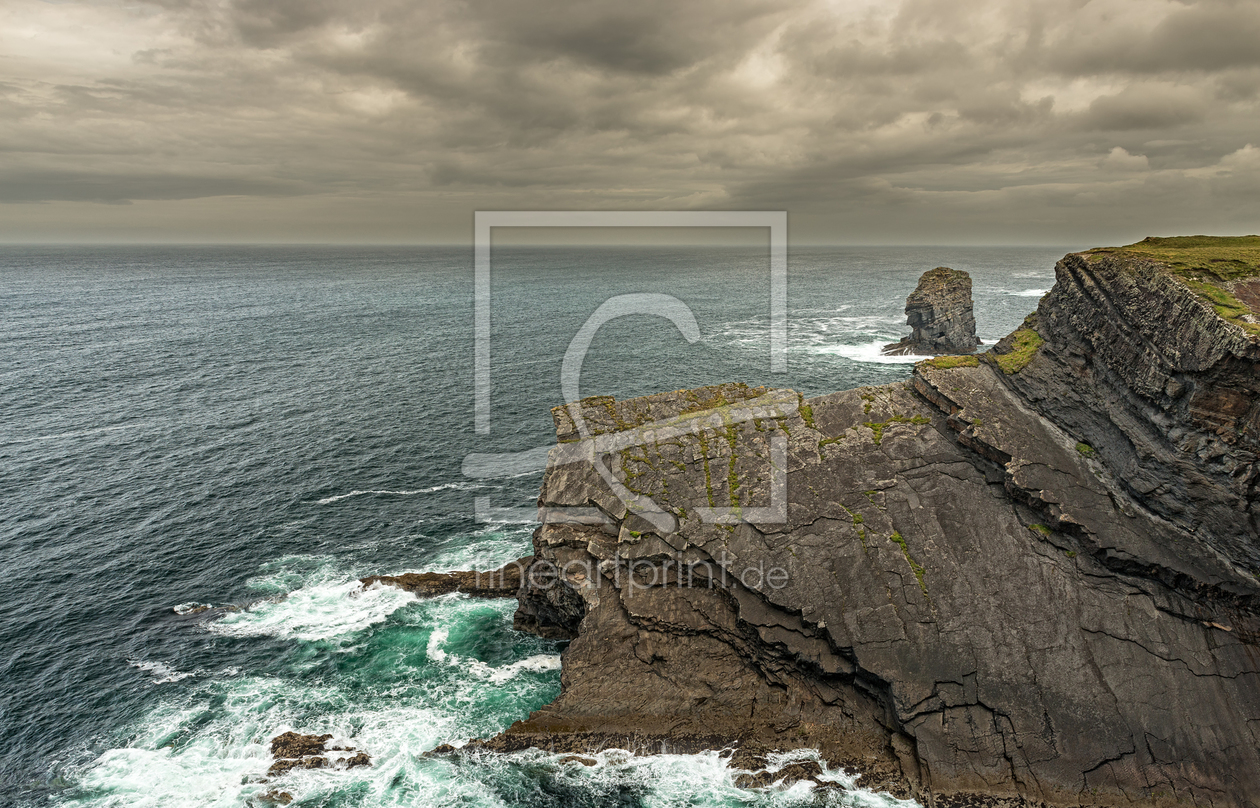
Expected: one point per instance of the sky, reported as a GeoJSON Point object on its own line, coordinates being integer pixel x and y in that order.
{"type": "Point", "coordinates": [1055, 122]}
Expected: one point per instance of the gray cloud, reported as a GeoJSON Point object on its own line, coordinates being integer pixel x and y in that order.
{"type": "Point", "coordinates": [1144, 106]}
{"type": "Point", "coordinates": [1042, 120]}
{"type": "Point", "coordinates": [1204, 36]}
{"type": "Point", "coordinates": [123, 188]}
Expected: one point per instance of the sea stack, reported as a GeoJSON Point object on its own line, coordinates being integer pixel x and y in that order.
{"type": "Point", "coordinates": [939, 311]}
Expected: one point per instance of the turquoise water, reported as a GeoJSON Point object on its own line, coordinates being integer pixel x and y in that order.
{"type": "Point", "coordinates": [253, 429]}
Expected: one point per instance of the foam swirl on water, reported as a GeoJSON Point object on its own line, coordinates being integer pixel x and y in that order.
{"type": "Point", "coordinates": [402, 676]}
{"type": "Point", "coordinates": [319, 612]}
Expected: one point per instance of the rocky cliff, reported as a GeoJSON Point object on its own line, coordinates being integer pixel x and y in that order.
{"type": "Point", "coordinates": [1028, 577]}
{"type": "Point", "coordinates": [940, 315]}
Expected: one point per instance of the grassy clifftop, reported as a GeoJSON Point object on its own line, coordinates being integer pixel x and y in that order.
{"type": "Point", "coordinates": [1224, 271]}
{"type": "Point", "coordinates": [1227, 258]}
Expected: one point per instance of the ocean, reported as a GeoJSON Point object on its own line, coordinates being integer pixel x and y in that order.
{"type": "Point", "coordinates": [203, 448]}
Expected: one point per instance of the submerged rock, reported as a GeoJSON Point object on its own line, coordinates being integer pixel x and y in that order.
{"type": "Point", "coordinates": [1027, 577]}
{"type": "Point", "coordinates": [939, 312]}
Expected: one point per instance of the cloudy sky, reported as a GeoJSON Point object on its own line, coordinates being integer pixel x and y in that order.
{"type": "Point", "coordinates": [1039, 122]}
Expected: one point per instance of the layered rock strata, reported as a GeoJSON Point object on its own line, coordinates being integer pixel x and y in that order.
{"type": "Point", "coordinates": [1028, 577]}
{"type": "Point", "coordinates": [939, 312]}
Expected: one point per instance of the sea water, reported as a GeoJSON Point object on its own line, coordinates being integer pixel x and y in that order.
{"type": "Point", "coordinates": [203, 448]}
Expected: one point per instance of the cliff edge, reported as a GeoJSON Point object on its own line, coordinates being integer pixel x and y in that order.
{"type": "Point", "coordinates": [1028, 577]}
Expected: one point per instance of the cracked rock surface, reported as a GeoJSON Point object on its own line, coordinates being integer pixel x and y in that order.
{"type": "Point", "coordinates": [983, 587]}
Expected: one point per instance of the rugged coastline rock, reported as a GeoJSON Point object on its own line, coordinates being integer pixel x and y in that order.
{"type": "Point", "coordinates": [292, 750]}
{"type": "Point", "coordinates": [504, 582]}
{"type": "Point", "coordinates": [939, 310]}
{"type": "Point", "coordinates": [1023, 578]}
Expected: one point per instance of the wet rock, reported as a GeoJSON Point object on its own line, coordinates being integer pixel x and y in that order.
{"type": "Point", "coordinates": [759, 779]}
{"type": "Point", "coordinates": [748, 756]}
{"type": "Point", "coordinates": [785, 777]}
{"type": "Point", "coordinates": [504, 582]}
{"type": "Point", "coordinates": [296, 745]}
{"type": "Point", "coordinates": [293, 750]}
{"type": "Point", "coordinates": [274, 797]}
{"type": "Point", "coordinates": [285, 766]}
{"type": "Point", "coordinates": [585, 761]}
{"type": "Point", "coordinates": [940, 314]}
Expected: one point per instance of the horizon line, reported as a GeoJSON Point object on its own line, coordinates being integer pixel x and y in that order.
{"type": "Point", "coordinates": [469, 245]}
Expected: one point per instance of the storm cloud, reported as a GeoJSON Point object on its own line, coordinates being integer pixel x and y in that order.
{"type": "Point", "coordinates": [1050, 121]}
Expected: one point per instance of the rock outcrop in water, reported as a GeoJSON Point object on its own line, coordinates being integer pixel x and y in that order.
{"type": "Point", "coordinates": [1023, 578]}
{"type": "Point", "coordinates": [939, 312]}
{"type": "Point", "coordinates": [504, 582]}
{"type": "Point", "coordinates": [293, 750]}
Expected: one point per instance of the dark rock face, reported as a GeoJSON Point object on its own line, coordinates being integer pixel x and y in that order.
{"type": "Point", "coordinates": [1016, 583]}
{"type": "Point", "coordinates": [1168, 394]}
{"type": "Point", "coordinates": [939, 311]}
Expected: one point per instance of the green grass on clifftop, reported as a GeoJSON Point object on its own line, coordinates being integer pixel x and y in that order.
{"type": "Point", "coordinates": [948, 362]}
{"type": "Point", "coordinates": [1210, 265]}
{"type": "Point", "coordinates": [1229, 258]}
{"type": "Point", "coordinates": [1024, 347]}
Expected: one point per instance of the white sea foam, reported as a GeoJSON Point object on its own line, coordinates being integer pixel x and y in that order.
{"type": "Point", "coordinates": [434, 648]}
{"type": "Point", "coordinates": [288, 573]}
{"type": "Point", "coordinates": [488, 548]}
{"type": "Point", "coordinates": [206, 746]}
{"type": "Point", "coordinates": [860, 338]}
{"type": "Point", "coordinates": [868, 352]}
{"type": "Point", "coordinates": [160, 672]}
{"type": "Point", "coordinates": [539, 663]}
{"type": "Point", "coordinates": [703, 779]}
{"type": "Point", "coordinates": [809, 330]}
{"type": "Point", "coordinates": [208, 749]}
{"type": "Point", "coordinates": [1030, 293]}
{"type": "Point", "coordinates": [458, 485]}
{"type": "Point", "coordinates": [318, 612]}
{"type": "Point", "coordinates": [496, 674]}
